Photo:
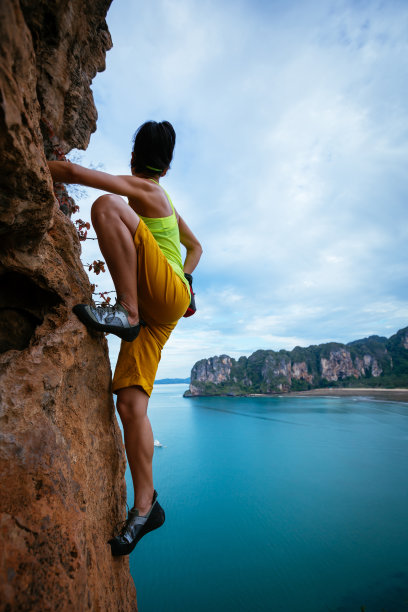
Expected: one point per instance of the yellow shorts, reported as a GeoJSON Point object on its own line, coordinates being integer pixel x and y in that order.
{"type": "Point", "coordinates": [163, 298]}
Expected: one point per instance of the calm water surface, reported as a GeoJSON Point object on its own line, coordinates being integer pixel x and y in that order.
{"type": "Point", "coordinates": [276, 504]}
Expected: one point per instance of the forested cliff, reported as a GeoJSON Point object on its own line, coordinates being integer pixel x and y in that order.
{"type": "Point", "coordinates": [61, 453]}
{"type": "Point", "coordinates": [375, 361]}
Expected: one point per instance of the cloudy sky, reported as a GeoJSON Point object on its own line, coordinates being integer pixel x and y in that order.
{"type": "Point", "coordinates": [290, 163]}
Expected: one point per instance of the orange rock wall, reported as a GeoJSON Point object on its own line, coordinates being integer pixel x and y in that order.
{"type": "Point", "coordinates": [61, 454]}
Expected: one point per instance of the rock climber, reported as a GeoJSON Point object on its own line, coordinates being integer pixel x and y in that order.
{"type": "Point", "coordinates": [140, 243]}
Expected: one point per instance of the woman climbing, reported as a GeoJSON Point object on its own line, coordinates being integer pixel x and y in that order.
{"type": "Point", "coordinates": [140, 243]}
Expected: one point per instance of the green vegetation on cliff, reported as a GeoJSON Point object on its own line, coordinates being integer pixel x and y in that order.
{"type": "Point", "coordinates": [371, 362]}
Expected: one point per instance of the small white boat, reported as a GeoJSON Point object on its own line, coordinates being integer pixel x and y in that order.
{"type": "Point", "coordinates": [157, 443]}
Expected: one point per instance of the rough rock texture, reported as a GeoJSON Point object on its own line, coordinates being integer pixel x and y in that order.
{"type": "Point", "coordinates": [216, 369]}
{"type": "Point", "coordinates": [338, 365]}
{"type": "Point", "coordinates": [373, 361]}
{"type": "Point", "coordinates": [61, 453]}
{"type": "Point", "coordinates": [299, 371]}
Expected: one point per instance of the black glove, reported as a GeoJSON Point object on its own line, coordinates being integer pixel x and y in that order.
{"type": "Point", "coordinates": [192, 308]}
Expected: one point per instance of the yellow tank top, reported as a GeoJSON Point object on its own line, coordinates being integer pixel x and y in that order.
{"type": "Point", "coordinates": [166, 233]}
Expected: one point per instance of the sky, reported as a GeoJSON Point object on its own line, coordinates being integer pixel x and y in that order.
{"type": "Point", "coordinates": [290, 163]}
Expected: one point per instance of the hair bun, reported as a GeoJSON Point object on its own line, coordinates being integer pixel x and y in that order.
{"type": "Point", "coordinates": [153, 147]}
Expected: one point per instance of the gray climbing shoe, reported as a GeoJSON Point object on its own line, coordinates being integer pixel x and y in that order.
{"type": "Point", "coordinates": [135, 527]}
{"type": "Point", "coordinates": [112, 319]}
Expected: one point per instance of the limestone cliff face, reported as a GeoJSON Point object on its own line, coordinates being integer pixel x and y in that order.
{"type": "Point", "coordinates": [340, 365]}
{"type": "Point", "coordinates": [215, 370]}
{"type": "Point", "coordinates": [61, 454]}
{"type": "Point", "coordinates": [372, 361]}
{"type": "Point", "coordinates": [300, 371]}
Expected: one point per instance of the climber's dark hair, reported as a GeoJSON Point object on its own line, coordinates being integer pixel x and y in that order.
{"type": "Point", "coordinates": [153, 147]}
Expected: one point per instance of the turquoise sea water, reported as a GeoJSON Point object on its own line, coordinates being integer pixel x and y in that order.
{"type": "Point", "coordinates": [276, 504]}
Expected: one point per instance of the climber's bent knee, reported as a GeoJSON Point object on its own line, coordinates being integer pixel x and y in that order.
{"type": "Point", "coordinates": [110, 208]}
{"type": "Point", "coordinates": [106, 203]}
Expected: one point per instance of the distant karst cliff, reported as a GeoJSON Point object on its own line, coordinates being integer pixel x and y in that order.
{"type": "Point", "coordinates": [61, 454]}
{"type": "Point", "coordinates": [373, 361]}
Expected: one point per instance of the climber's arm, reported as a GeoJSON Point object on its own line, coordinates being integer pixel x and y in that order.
{"type": "Point", "coordinates": [66, 172]}
{"type": "Point", "coordinates": [193, 246]}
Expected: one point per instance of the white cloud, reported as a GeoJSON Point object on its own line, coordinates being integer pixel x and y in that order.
{"type": "Point", "coordinates": [290, 163]}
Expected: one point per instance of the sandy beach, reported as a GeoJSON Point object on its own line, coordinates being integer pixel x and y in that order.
{"type": "Point", "coordinates": [394, 395]}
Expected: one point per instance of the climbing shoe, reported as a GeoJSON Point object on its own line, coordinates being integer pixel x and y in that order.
{"type": "Point", "coordinates": [135, 527]}
{"type": "Point", "coordinates": [112, 319]}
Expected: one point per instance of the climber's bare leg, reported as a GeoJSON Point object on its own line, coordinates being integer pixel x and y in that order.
{"type": "Point", "coordinates": [132, 407]}
{"type": "Point", "coordinates": [115, 224]}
